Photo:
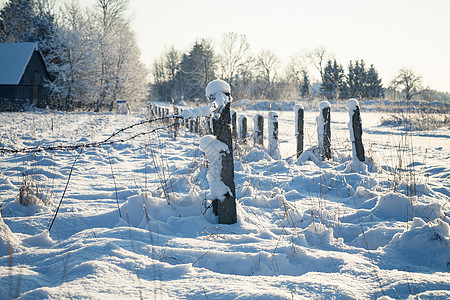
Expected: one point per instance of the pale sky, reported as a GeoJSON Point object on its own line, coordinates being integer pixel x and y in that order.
{"type": "Point", "coordinates": [390, 34]}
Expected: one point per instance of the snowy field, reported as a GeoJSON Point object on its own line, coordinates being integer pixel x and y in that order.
{"type": "Point", "coordinates": [134, 221]}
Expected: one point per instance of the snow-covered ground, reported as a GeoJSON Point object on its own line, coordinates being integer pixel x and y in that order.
{"type": "Point", "coordinates": [307, 229]}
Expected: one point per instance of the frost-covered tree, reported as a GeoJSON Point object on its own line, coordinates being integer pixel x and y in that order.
{"type": "Point", "coordinates": [129, 74]}
{"type": "Point", "coordinates": [109, 18]}
{"type": "Point", "coordinates": [71, 60]}
{"type": "Point", "coordinates": [121, 74]}
{"type": "Point", "coordinates": [16, 21]}
{"type": "Point", "coordinates": [27, 21]}
{"type": "Point", "coordinates": [94, 58]}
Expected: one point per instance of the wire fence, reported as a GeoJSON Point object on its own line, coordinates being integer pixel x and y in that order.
{"type": "Point", "coordinates": [108, 141]}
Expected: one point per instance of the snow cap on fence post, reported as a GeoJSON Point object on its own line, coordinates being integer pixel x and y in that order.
{"type": "Point", "coordinates": [355, 128]}
{"type": "Point", "coordinates": [299, 112]}
{"type": "Point", "coordinates": [223, 200]}
{"type": "Point", "coordinates": [324, 129]}
{"type": "Point", "coordinates": [242, 121]}
{"type": "Point", "coordinates": [219, 93]}
{"type": "Point", "coordinates": [273, 147]}
{"type": "Point", "coordinates": [258, 128]}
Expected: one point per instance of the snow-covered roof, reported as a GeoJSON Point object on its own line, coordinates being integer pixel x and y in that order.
{"type": "Point", "coordinates": [14, 58]}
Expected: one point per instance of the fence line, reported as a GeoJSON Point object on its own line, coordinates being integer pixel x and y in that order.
{"type": "Point", "coordinates": [161, 114]}
{"type": "Point", "coordinates": [107, 141]}
{"type": "Point", "coordinates": [323, 121]}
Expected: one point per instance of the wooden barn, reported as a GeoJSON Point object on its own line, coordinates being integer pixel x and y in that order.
{"type": "Point", "coordinates": [22, 76]}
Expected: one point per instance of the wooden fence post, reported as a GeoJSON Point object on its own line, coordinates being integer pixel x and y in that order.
{"type": "Point", "coordinates": [176, 125]}
{"type": "Point", "coordinates": [197, 125]}
{"type": "Point", "coordinates": [218, 92]}
{"type": "Point", "coordinates": [299, 124]}
{"type": "Point", "coordinates": [150, 109]}
{"type": "Point", "coordinates": [355, 129]}
{"type": "Point", "coordinates": [208, 125]}
{"type": "Point", "coordinates": [258, 127]}
{"type": "Point", "coordinates": [243, 129]}
{"type": "Point", "coordinates": [191, 125]}
{"type": "Point", "coordinates": [233, 124]}
{"type": "Point", "coordinates": [324, 129]}
{"type": "Point", "coordinates": [273, 146]}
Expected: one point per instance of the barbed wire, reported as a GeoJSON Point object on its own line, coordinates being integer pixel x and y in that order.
{"type": "Point", "coordinates": [109, 141]}
{"type": "Point", "coordinates": [104, 142]}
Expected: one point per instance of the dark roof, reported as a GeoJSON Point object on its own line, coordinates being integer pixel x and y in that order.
{"type": "Point", "coordinates": [14, 58]}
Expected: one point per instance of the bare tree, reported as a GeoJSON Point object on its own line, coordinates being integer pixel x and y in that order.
{"type": "Point", "coordinates": [111, 11]}
{"type": "Point", "coordinates": [408, 83]}
{"type": "Point", "coordinates": [267, 64]}
{"type": "Point", "coordinates": [234, 55]}
{"type": "Point", "coordinates": [319, 57]}
{"type": "Point", "coordinates": [172, 59]}
{"type": "Point", "coordinates": [165, 71]}
{"type": "Point", "coordinates": [294, 74]}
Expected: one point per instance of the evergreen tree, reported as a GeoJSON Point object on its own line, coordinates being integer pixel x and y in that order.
{"type": "Point", "coordinates": [351, 81]}
{"type": "Point", "coordinates": [305, 88]}
{"type": "Point", "coordinates": [356, 80]}
{"type": "Point", "coordinates": [197, 69]}
{"type": "Point", "coordinates": [360, 76]}
{"type": "Point", "coordinates": [165, 70]}
{"type": "Point", "coordinates": [374, 87]}
{"type": "Point", "coordinates": [26, 21]}
{"type": "Point", "coordinates": [362, 83]}
{"type": "Point", "coordinates": [333, 80]}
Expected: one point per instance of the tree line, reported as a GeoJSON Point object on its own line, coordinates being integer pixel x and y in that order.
{"type": "Point", "coordinates": [91, 53]}
{"type": "Point", "coordinates": [178, 75]}
{"type": "Point", "coordinates": [182, 76]}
